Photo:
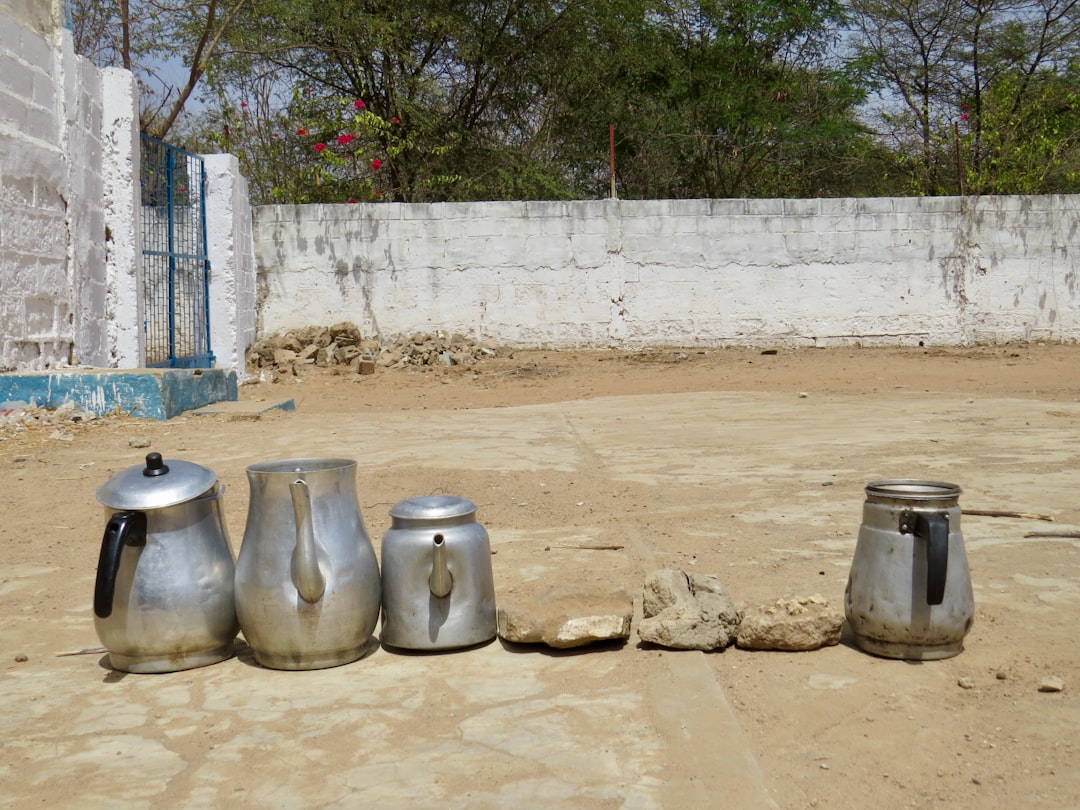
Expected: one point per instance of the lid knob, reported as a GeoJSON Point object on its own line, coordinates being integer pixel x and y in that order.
{"type": "Point", "coordinates": [155, 465]}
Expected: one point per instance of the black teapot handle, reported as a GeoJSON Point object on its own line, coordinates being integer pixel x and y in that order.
{"type": "Point", "coordinates": [934, 529]}
{"type": "Point", "coordinates": [123, 529]}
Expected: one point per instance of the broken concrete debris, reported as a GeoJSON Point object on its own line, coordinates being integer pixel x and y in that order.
{"type": "Point", "coordinates": [343, 347]}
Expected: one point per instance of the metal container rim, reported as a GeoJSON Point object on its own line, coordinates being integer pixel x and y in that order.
{"type": "Point", "coordinates": [291, 466]}
{"type": "Point", "coordinates": [913, 489]}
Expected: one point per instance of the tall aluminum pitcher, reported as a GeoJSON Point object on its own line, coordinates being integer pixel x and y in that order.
{"type": "Point", "coordinates": [307, 582]}
{"type": "Point", "coordinates": [909, 592]}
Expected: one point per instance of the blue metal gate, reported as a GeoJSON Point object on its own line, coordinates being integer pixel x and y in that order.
{"type": "Point", "coordinates": [176, 268]}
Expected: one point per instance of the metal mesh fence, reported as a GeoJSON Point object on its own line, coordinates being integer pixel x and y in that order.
{"type": "Point", "coordinates": [176, 269]}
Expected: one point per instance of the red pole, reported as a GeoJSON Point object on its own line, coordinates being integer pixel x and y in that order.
{"type": "Point", "coordinates": [611, 151]}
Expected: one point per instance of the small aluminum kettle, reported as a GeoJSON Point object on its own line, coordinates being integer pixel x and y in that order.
{"type": "Point", "coordinates": [163, 597]}
{"type": "Point", "coordinates": [438, 586]}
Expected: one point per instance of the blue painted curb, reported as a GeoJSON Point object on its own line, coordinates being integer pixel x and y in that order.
{"type": "Point", "coordinates": [146, 393]}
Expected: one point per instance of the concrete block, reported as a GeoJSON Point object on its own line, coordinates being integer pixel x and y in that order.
{"type": "Point", "coordinates": [17, 77]}
{"type": "Point", "coordinates": [936, 205]}
{"type": "Point", "coordinates": [146, 393]}
{"type": "Point", "coordinates": [802, 208]}
{"type": "Point", "coordinates": [40, 124]}
{"type": "Point", "coordinates": [875, 205]}
{"type": "Point", "coordinates": [765, 208]}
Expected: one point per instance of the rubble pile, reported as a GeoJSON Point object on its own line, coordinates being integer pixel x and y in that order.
{"type": "Point", "coordinates": [343, 347]}
{"type": "Point", "coordinates": [16, 417]}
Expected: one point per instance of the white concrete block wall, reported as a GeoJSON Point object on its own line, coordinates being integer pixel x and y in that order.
{"type": "Point", "coordinates": [37, 301]}
{"type": "Point", "coordinates": [946, 271]}
{"type": "Point", "coordinates": [124, 311]}
{"type": "Point", "coordinates": [85, 208]}
{"type": "Point", "coordinates": [232, 262]}
{"type": "Point", "coordinates": [70, 231]}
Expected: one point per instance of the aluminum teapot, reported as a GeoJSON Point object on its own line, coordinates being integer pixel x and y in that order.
{"type": "Point", "coordinates": [909, 592]}
{"type": "Point", "coordinates": [307, 580]}
{"type": "Point", "coordinates": [163, 598]}
{"type": "Point", "coordinates": [438, 586]}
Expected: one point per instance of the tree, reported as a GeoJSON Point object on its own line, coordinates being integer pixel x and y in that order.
{"type": "Point", "coordinates": [148, 38]}
{"type": "Point", "coordinates": [742, 102]}
{"type": "Point", "coordinates": [940, 62]}
{"type": "Point", "coordinates": [462, 79]}
{"type": "Point", "coordinates": [1030, 147]}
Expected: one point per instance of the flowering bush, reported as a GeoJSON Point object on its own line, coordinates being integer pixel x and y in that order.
{"type": "Point", "coordinates": [320, 147]}
{"type": "Point", "coordinates": [352, 145]}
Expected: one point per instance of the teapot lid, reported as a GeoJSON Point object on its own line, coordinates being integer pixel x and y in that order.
{"type": "Point", "coordinates": [432, 507]}
{"type": "Point", "coordinates": [156, 484]}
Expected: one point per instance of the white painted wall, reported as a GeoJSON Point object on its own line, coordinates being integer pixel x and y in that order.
{"type": "Point", "coordinates": [232, 262]}
{"type": "Point", "coordinates": [37, 299]}
{"type": "Point", "coordinates": [945, 271]}
{"type": "Point", "coordinates": [122, 204]}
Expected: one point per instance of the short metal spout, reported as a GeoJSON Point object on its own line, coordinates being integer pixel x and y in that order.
{"type": "Point", "coordinates": [440, 580]}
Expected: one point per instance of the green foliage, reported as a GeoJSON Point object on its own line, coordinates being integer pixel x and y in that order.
{"type": "Point", "coordinates": [512, 99]}
{"type": "Point", "coordinates": [1028, 142]}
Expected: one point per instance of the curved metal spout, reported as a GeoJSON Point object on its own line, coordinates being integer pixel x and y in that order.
{"type": "Point", "coordinates": [440, 582]}
{"type": "Point", "coordinates": [308, 579]}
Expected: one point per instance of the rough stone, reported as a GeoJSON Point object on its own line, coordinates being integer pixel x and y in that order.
{"type": "Point", "coordinates": [687, 611]}
{"type": "Point", "coordinates": [1051, 683]}
{"type": "Point", "coordinates": [284, 357]}
{"type": "Point", "coordinates": [802, 623]}
{"type": "Point", "coordinates": [567, 617]}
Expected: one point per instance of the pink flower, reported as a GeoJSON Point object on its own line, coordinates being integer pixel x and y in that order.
{"type": "Point", "coordinates": [395, 120]}
{"type": "Point", "coordinates": [276, 135]}
{"type": "Point", "coordinates": [359, 104]}
{"type": "Point", "coordinates": [243, 103]}
{"type": "Point", "coordinates": [964, 107]}
{"type": "Point", "coordinates": [376, 164]}
{"type": "Point", "coordinates": [345, 139]}
{"type": "Point", "coordinates": [301, 132]}
{"type": "Point", "coordinates": [319, 147]}
{"type": "Point", "coordinates": [964, 117]}
{"type": "Point", "coordinates": [351, 201]}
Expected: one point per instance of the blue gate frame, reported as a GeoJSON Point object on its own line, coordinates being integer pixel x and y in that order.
{"type": "Point", "coordinates": [176, 267]}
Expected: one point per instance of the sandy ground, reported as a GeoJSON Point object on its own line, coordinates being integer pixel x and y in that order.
{"type": "Point", "coordinates": [832, 728]}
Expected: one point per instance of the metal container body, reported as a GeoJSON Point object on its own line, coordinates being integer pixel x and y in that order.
{"type": "Point", "coordinates": [909, 592]}
{"type": "Point", "coordinates": [438, 585]}
{"type": "Point", "coordinates": [172, 603]}
{"type": "Point", "coordinates": [285, 629]}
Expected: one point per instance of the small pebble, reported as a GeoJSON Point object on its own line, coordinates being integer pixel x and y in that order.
{"type": "Point", "coordinates": [1051, 683]}
{"type": "Point", "coordinates": [1001, 676]}
{"type": "Point", "coordinates": [803, 395]}
{"type": "Point", "coordinates": [139, 441]}
{"type": "Point", "coordinates": [21, 659]}
{"type": "Point", "coordinates": [964, 682]}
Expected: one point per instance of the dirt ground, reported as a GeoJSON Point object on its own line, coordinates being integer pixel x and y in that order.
{"type": "Point", "coordinates": [833, 728]}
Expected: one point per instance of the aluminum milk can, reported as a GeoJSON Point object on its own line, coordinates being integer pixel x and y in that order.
{"type": "Point", "coordinates": [909, 591]}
